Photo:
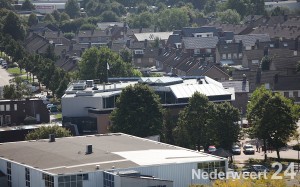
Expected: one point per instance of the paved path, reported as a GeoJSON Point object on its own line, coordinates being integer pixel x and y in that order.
{"type": "Point", "coordinates": [4, 77]}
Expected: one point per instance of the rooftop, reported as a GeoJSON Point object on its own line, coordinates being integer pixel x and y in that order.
{"type": "Point", "coordinates": [152, 36]}
{"type": "Point", "coordinates": [67, 155]}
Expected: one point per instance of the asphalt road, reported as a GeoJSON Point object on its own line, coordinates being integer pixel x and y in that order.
{"type": "Point", "coordinates": [4, 77]}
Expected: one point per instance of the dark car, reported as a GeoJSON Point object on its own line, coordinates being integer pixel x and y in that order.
{"type": "Point", "coordinates": [236, 150]}
{"type": "Point", "coordinates": [257, 168]}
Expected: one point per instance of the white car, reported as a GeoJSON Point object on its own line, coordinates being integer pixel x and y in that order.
{"type": "Point", "coordinates": [248, 149]}
{"type": "Point", "coordinates": [236, 150]}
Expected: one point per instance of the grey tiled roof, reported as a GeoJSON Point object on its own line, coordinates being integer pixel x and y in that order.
{"type": "Point", "coordinates": [250, 39]}
{"type": "Point", "coordinates": [199, 42]}
{"type": "Point", "coordinates": [189, 31]}
{"type": "Point", "coordinates": [287, 83]}
{"type": "Point", "coordinates": [278, 31]}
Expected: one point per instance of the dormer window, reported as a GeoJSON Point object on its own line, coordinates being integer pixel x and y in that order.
{"type": "Point", "coordinates": [138, 52]}
{"type": "Point", "coordinates": [285, 44]}
{"type": "Point", "coordinates": [271, 45]}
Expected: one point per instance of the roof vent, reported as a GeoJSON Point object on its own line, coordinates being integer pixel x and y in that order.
{"type": "Point", "coordinates": [51, 137]}
{"type": "Point", "coordinates": [97, 167]}
{"type": "Point", "coordinates": [89, 149]}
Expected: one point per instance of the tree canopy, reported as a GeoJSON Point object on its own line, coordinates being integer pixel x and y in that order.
{"type": "Point", "coordinates": [12, 25]}
{"type": "Point", "coordinates": [27, 5]}
{"type": "Point", "coordinates": [72, 8]}
{"type": "Point", "coordinates": [44, 131]}
{"type": "Point", "coordinates": [94, 65]}
{"type": "Point", "coordinates": [138, 112]}
{"type": "Point", "coordinates": [203, 123]}
{"type": "Point", "coordinates": [274, 130]}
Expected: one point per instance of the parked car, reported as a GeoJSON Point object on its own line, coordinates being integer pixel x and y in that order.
{"type": "Point", "coordinates": [236, 150]}
{"type": "Point", "coordinates": [257, 168]}
{"type": "Point", "coordinates": [211, 149]}
{"type": "Point", "coordinates": [49, 105]}
{"type": "Point", "coordinates": [248, 149]}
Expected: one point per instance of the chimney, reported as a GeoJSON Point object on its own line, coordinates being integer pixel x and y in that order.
{"type": "Point", "coordinates": [115, 86]}
{"type": "Point", "coordinates": [51, 137]}
{"type": "Point", "coordinates": [145, 43]}
{"type": "Point", "coordinates": [104, 87]}
{"type": "Point", "coordinates": [128, 43]}
{"type": "Point", "coordinates": [93, 30]}
{"type": "Point", "coordinates": [89, 149]}
{"type": "Point", "coordinates": [295, 53]}
{"type": "Point", "coordinates": [266, 51]}
{"type": "Point", "coordinates": [240, 46]}
{"type": "Point", "coordinates": [160, 50]}
{"type": "Point", "coordinates": [244, 78]}
{"type": "Point", "coordinates": [257, 44]}
{"type": "Point", "coordinates": [141, 29]}
{"type": "Point", "coordinates": [276, 79]}
{"type": "Point", "coordinates": [285, 17]}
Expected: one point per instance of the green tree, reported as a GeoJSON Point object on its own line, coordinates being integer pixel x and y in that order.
{"type": "Point", "coordinates": [64, 17]}
{"type": "Point", "coordinates": [69, 35]}
{"type": "Point", "coordinates": [238, 5]}
{"type": "Point", "coordinates": [72, 8]}
{"type": "Point", "coordinates": [225, 118]}
{"type": "Point", "coordinates": [56, 15]}
{"type": "Point", "coordinates": [32, 19]}
{"type": "Point", "coordinates": [49, 18]}
{"type": "Point", "coordinates": [44, 131]}
{"type": "Point", "coordinates": [298, 67]}
{"type": "Point", "coordinates": [6, 4]}
{"type": "Point", "coordinates": [138, 112]}
{"type": "Point", "coordinates": [194, 121]}
{"type": "Point", "coordinates": [49, 53]}
{"type": "Point", "coordinates": [27, 5]}
{"type": "Point", "coordinates": [109, 16]}
{"type": "Point", "coordinates": [94, 65]}
{"type": "Point", "coordinates": [210, 6]}
{"type": "Point", "coordinates": [171, 19]}
{"type": "Point", "coordinates": [265, 63]}
{"type": "Point", "coordinates": [10, 92]}
{"type": "Point", "coordinates": [126, 55]}
{"type": "Point", "coordinates": [12, 25]}
{"type": "Point", "coordinates": [87, 26]}
{"type": "Point", "coordinates": [169, 125]}
{"type": "Point", "coordinates": [229, 16]}
{"type": "Point", "coordinates": [274, 129]}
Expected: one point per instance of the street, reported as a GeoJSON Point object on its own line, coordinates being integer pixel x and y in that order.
{"type": "Point", "coordinates": [4, 77]}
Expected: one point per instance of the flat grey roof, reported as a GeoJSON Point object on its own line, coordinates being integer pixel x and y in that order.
{"type": "Point", "coordinates": [67, 155]}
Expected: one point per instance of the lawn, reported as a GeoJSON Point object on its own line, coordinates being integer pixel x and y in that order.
{"type": "Point", "coordinates": [15, 71]}
{"type": "Point", "coordinates": [58, 116]}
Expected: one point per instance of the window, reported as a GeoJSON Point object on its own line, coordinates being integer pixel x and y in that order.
{"type": "Point", "coordinates": [212, 166]}
{"type": "Point", "coordinates": [138, 52]}
{"type": "Point", "coordinates": [7, 107]}
{"type": "Point", "coordinates": [295, 94]}
{"type": "Point", "coordinates": [229, 55]}
{"type": "Point", "coordinates": [15, 107]}
{"type": "Point", "coordinates": [108, 180]}
{"type": "Point", "coordinates": [27, 177]}
{"type": "Point", "coordinates": [49, 180]}
{"type": "Point", "coordinates": [255, 61]}
{"type": "Point", "coordinates": [240, 55]}
{"type": "Point", "coordinates": [151, 60]}
{"type": "Point", "coordinates": [196, 51]}
{"type": "Point", "coordinates": [7, 119]}
{"type": "Point", "coordinates": [286, 94]}
{"type": "Point", "coordinates": [72, 180]}
{"type": "Point", "coordinates": [1, 107]}
{"type": "Point", "coordinates": [272, 45]}
{"type": "Point", "coordinates": [224, 56]}
{"type": "Point", "coordinates": [285, 44]}
{"type": "Point", "coordinates": [8, 170]}
{"type": "Point", "coordinates": [139, 60]}
{"type": "Point", "coordinates": [234, 56]}
{"type": "Point", "coordinates": [208, 50]}
{"type": "Point", "coordinates": [1, 120]}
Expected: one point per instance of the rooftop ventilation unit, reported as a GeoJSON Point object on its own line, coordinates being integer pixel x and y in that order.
{"type": "Point", "coordinates": [51, 137]}
{"type": "Point", "coordinates": [89, 149]}
{"type": "Point", "coordinates": [89, 83]}
{"type": "Point", "coordinates": [86, 93]}
{"type": "Point", "coordinates": [80, 85]}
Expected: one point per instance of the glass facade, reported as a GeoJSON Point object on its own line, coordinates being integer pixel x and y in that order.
{"type": "Point", "coordinates": [108, 180]}
{"type": "Point", "coordinates": [49, 180]}
{"type": "Point", "coordinates": [8, 171]}
{"type": "Point", "coordinates": [211, 166]}
{"type": "Point", "coordinates": [27, 177]}
{"type": "Point", "coordinates": [72, 180]}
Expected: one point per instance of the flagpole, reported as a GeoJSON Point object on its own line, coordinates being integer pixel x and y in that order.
{"type": "Point", "coordinates": [107, 68]}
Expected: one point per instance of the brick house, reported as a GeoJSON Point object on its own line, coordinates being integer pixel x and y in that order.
{"type": "Point", "coordinates": [13, 112]}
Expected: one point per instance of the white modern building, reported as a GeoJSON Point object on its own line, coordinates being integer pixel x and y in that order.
{"type": "Point", "coordinates": [110, 160]}
{"type": "Point", "coordinates": [88, 105]}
